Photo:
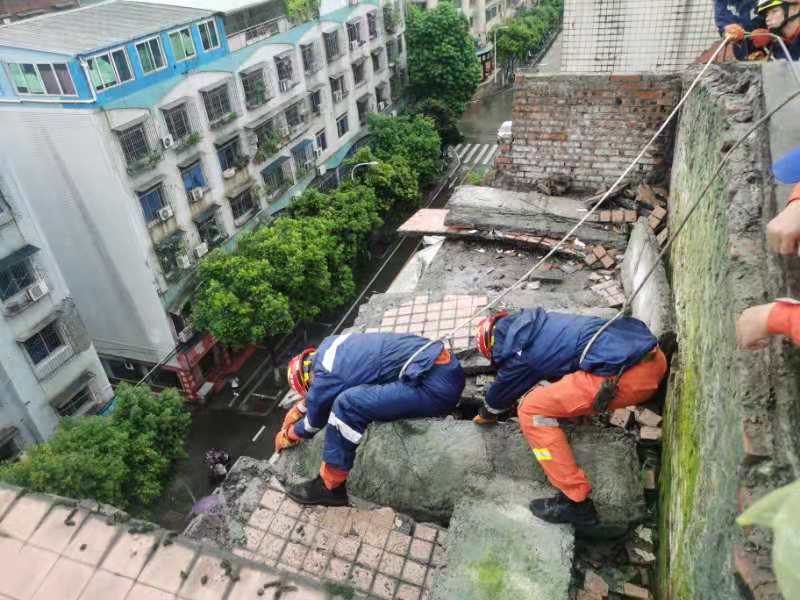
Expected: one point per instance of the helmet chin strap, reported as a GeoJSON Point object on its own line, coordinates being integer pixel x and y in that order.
{"type": "Point", "coordinates": [786, 20]}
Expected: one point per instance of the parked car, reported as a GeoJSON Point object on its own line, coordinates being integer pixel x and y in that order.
{"type": "Point", "coordinates": [504, 135]}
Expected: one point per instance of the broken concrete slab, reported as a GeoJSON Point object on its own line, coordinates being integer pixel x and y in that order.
{"type": "Point", "coordinates": [653, 303]}
{"type": "Point", "coordinates": [431, 221]}
{"type": "Point", "coordinates": [500, 550]}
{"type": "Point", "coordinates": [529, 212]}
{"type": "Point", "coordinates": [452, 460]}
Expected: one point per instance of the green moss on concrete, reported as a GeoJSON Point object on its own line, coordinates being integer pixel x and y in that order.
{"type": "Point", "coordinates": [488, 577]}
{"type": "Point", "coordinates": [702, 420]}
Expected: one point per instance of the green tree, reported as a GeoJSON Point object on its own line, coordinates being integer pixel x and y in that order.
{"type": "Point", "coordinates": [413, 138]}
{"type": "Point", "coordinates": [300, 11]}
{"type": "Point", "coordinates": [527, 33]}
{"type": "Point", "coordinates": [394, 182]}
{"type": "Point", "coordinates": [445, 119]}
{"type": "Point", "coordinates": [441, 56]}
{"type": "Point", "coordinates": [236, 302]}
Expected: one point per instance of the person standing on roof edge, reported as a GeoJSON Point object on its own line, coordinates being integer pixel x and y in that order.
{"type": "Point", "coordinates": [353, 380]}
{"type": "Point", "coordinates": [623, 367]}
{"type": "Point", "coordinates": [757, 324]}
{"type": "Point", "coordinates": [782, 18]}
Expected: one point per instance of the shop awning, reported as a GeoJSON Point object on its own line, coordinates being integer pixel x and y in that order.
{"type": "Point", "coordinates": [68, 393]}
{"type": "Point", "coordinates": [17, 256]}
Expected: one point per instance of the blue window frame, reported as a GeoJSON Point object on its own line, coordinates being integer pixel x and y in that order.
{"type": "Point", "coordinates": [151, 201]}
{"type": "Point", "coordinates": [228, 154]}
{"type": "Point", "coordinates": [193, 177]}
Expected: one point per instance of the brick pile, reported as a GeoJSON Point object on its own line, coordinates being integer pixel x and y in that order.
{"type": "Point", "coordinates": [588, 128]}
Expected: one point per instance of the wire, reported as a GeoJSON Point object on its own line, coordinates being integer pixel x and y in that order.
{"type": "Point", "coordinates": [686, 218]}
{"type": "Point", "coordinates": [569, 234]}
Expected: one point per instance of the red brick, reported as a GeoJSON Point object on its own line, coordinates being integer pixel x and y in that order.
{"type": "Point", "coordinates": [621, 417]}
{"type": "Point", "coordinates": [645, 416]}
{"type": "Point", "coordinates": [754, 572]}
{"type": "Point", "coordinates": [659, 212]}
{"type": "Point", "coordinates": [630, 590]}
{"type": "Point", "coordinates": [626, 78]}
{"type": "Point", "coordinates": [590, 259]}
{"type": "Point", "coordinates": [605, 216]}
{"type": "Point", "coordinates": [592, 582]}
{"type": "Point", "coordinates": [584, 595]}
{"type": "Point", "coordinates": [617, 216]}
{"type": "Point", "coordinates": [649, 479]}
{"type": "Point", "coordinates": [650, 433]}
{"type": "Point", "coordinates": [631, 216]}
{"type": "Point", "coordinates": [607, 261]}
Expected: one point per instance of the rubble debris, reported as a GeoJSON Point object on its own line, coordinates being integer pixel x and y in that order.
{"type": "Point", "coordinates": [622, 417]}
{"type": "Point", "coordinates": [650, 433]}
{"type": "Point", "coordinates": [611, 292]}
{"type": "Point", "coordinates": [556, 184]}
{"type": "Point", "coordinates": [646, 196]}
{"type": "Point", "coordinates": [649, 479]}
{"type": "Point", "coordinates": [656, 217]}
{"type": "Point", "coordinates": [630, 590]}
{"type": "Point", "coordinates": [645, 416]}
{"type": "Point", "coordinates": [594, 584]}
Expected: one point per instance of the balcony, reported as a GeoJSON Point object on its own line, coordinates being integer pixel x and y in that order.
{"type": "Point", "coordinates": [187, 143]}
{"type": "Point", "coordinates": [54, 361]}
{"type": "Point", "coordinates": [253, 35]}
{"type": "Point", "coordinates": [222, 121]}
{"type": "Point", "coordinates": [27, 297]}
{"type": "Point", "coordinates": [238, 179]}
{"type": "Point", "coordinates": [146, 163]}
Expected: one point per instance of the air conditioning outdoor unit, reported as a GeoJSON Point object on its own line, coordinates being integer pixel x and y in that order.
{"type": "Point", "coordinates": [167, 142]}
{"type": "Point", "coordinates": [165, 213]}
{"type": "Point", "coordinates": [197, 194]}
{"type": "Point", "coordinates": [284, 85]}
{"type": "Point", "coordinates": [186, 334]}
{"type": "Point", "coordinates": [228, 173]}
{"type": "Point", "coordinates": [183, 261]}
{"type": "Point", "coordinates": [201, 250]}
{"type": "Point", "coordinates": [354, 45]}
{"type": "Point", "coordinates": [381, 105]}
{"type": "Point", "coordinates": [322, 170]}
{"type": "Point", "coordinates": [337, 96]}
{"type": "Point", "coordinates": [37, 291]}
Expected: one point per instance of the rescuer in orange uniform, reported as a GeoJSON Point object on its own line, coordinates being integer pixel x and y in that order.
{"type": "Point", "coordinates": [623, 367]}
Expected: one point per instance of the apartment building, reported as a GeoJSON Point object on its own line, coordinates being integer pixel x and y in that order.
{"type": "Point", "coordinates": [150, 135]}
{"type": "Point", "coordinates": [48, 366]}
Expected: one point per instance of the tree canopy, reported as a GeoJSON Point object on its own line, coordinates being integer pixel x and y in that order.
{"type": "Point", "coordinates": [441, 56]}
{"type": "Point", "coordinates": [413, 138]}
{"type": "Point", "coordinates": [527, 33]}
{"type": "Point", "coordinates": [122, 460]}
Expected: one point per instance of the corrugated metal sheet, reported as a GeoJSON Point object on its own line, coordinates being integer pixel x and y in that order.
{"type": "Point", "coordinates": [95, 27]}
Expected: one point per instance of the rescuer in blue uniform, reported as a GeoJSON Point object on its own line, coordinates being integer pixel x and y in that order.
{"type": "Point", "coordinates": [352, 380]}
{"type": "Point", "coordinates": [782, 18]}
{"type": "Point", "coordinates": [734, 18]}
{"type": "Point", "coordinates": [623, 367]}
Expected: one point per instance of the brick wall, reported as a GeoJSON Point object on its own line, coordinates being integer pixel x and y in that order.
{"type": "Point", "coordinates": [588, 127]}
{"type": "Point", "coordinates": [631, 36]}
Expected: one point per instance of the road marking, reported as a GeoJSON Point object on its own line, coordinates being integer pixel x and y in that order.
{"type": "Point", "coordinates": [463, 151]}
{"type": "Point", "coordinates": [468, 158]}
{"type": "Point", "coordinates": [484, 154]}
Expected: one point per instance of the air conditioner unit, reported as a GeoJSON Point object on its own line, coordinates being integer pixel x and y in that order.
{"type": "Point", "coordinates": [186, 334]}
{"type": "Point", "coordinates": [37, 291]}
{"type": "Point", "coordinates": [317, 152]}
{"type": "Point", "coordinates": [201, 250]}
{"type": "Point", "coordinates": [284, 85]}
{"type": "Point", "coordinates": [167, 142]}
{"type": "Point", "coordinates": [228, 173]}
{"type": "Point", "coordinates": [337, 96]}
{"type": "Point", "coordinates": [354, 45]}
{"type": "Point", "coordinates": [322, 169]}
{"type": "Point", "coordinates": [165, 213]}
{"type": "Point", "coordinates": [381, 105]}
{"type": "Point", "coordinates": [197, 194]}
{"type": "Point", "coordinates": [183, 261]}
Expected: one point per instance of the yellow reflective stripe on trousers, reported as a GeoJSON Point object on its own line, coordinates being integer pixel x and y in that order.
{"type": "Point", "coordinates": [542, 454]}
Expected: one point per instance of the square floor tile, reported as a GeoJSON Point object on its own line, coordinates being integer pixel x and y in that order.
{"type": "Point", "coordinates": [24, 568]}
{"type": "Point", "coordinates": [7, 496]}
{"type": "Point", "coordinates": [91, 541]}
{"type": "Point", "coordinates": [414, 572]}
{"type": "Point", "coordinates": [58, 527]}
{"type": "Point", "coordinates": [383, 587]}
{"type": "Point", "coordinates": [23, 518]}
{"type": "Point", "coordinates": [261, 518]}
{"type": "Point", "coordinates": [129, 553]}
{"type": "Point", "coordinates": [167, 567]}
{"type": "Point", "coordinates": [64, 581]}
{"type": "Point", "coordinates": [143, 592]}
{"type": "Point", "coordinates": [106, 586]}
{"type": "Point", "coordinates": [207, 581]}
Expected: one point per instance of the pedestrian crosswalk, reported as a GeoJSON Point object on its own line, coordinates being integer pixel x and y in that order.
{"type": "Point", "coordinates": [476, 154]}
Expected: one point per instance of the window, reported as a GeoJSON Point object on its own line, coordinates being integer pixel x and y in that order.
{"type": "Point", "coordinates": [309, 60]}
{"type": "Point", "coordinates": [255, 88]}
{"type": "Point", "coordinates": [275, 178]}
{"type": "Point", "coordinates": [294, 116]}
{"type": "Point", "coordinates": [354, 33]}
{"type": "Point", "coordinates": [342, 126]}
{"type": "Point", "coordinates": [337, 88]}
{"type": "Point", "coordinates": [242, 204]}
{"type": "Point", "coordinates": [210, 233]}
{"type": "Point", "coordinates": [182, 44]}
{"type": "Point", "coordinates": [76, 403]}
{"type": "Point", "coordinates": [151, 201]}
{"type": "Point", "coordinates": [229, 154]}
{"type": "Point", "coordinates": [134, 144]}
{"type": "Point", "coordinates": [358, 73]}
{"type": "Point", "coordinates": [363, 111]}
{"type": "Point", "coordinates": [331, 45]}
{"type": "Point", "coordinates": [177, 120]}
{"type": "Point", "coordinates": [51, 79]}
{"type": "Point", "coordinates": [151, 56]}
{"type": "Point", "coordinates": [284, 67]}
{"type": "Point", "coordinates": [15, 279]}
{"type": "Point", "coordinates": [264, 132]}
{"type": "Point", "coordinates": [399, 44]}
{"type": "Point", "coordinates": [315, 99]}
{"type": "Point", "coordinates": [322, 140]}
{"type": "Point", "coordinates": [193, 176]}
{"type": "Point", "coordinates": [372, 25]}
{"type": "Point", "coordinates": [491, 13]}
{"type": "Point", "coordinates": [376, 61]}
{"type": "Point", "coordinates": [110, 69]}
{"type": "Point", "coordinates": [44, 343]}
{"type": "Point", "coordinates": [379, 95]}
{"type": "Point", "coordinates": [217, 103]}
{"type": "Point", "coordinates": [208, 35]}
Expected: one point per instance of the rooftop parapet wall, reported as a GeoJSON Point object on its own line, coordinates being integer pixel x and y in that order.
{"type": "Point", "coordinates": [588, 127]}
{"type": "Point", "coordinates": [728, 412]}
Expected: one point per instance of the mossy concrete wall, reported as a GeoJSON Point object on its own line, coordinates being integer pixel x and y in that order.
{"type": "Point", "coordinates": [723, 444]}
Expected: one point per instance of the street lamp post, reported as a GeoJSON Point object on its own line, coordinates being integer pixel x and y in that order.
{"type": "Point", "coordinates": [364, 164]}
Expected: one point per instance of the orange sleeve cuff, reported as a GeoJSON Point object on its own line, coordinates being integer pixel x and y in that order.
{"type": "Point", "coordinates": [784, 319]}
{"type": "Point", "coordinates": [795, 195]}
{"type": "Point", "coordinates": [292, 435]}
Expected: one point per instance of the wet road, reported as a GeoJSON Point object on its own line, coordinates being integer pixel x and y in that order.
{"type": "Point", "coordinates": [482, 119]}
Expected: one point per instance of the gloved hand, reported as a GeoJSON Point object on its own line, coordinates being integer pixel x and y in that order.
{"type": "Point", "coordinates": [783, 232]}
{"type": "Point", "coordinates": [484, 417]}
{"type": "Point", "coordinates": [760, 38]}
{"type": "Point", "coordinates": [734, 31]}
{"type": "Point", "coordinates": [294, 415]}
{"type": "Point", "coordinates": [283, 441]}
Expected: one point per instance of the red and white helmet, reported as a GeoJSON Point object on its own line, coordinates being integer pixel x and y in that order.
{"type": "Point", "coordinates": [484, 337]}
{"type": "Point", "coordinates": [299, 372]}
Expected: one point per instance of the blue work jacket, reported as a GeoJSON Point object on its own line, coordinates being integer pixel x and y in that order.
{"type": "Point", "coordinates": [737, 11]}
{"type": "Point", "coordinates": [345, 361]}
{"type": "Point", "coordinates": [536, 345]}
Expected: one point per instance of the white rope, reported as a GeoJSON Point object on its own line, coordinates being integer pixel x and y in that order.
{"type": "Point", "coordinates": [570, 233]}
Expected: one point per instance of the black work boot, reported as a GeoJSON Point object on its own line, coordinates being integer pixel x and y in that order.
{"type": "Point", "coordinates": [560, 509]}
{"type": "Point", "coordinates": [314, 491]}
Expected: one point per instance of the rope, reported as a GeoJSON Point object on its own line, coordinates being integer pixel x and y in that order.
{"type": "Point", "coordinates": [569, 234]}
